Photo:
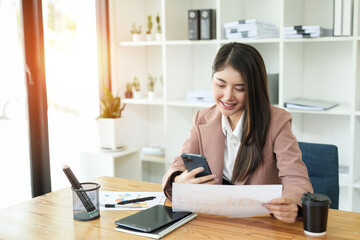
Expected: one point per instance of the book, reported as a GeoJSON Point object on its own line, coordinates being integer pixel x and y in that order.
{"type": "Point", "coordinates": [250, 34]}
{"type": "Point", "coordinates": [153, 149]}
{"type": "Point", "coordinates": [256, 31]}
{"type": "Point", "coordinates": [309, 104]}
{"type": "Point", "coordinates": [242, 21]}
{"type": "Point", "coordinates": [303, 35]}
{"type": "Point", "coordinates": [289, 32]}
{"type": "Point", "coordinates": [337, 17]}
{"type": "Point", "coordinates": [346, 18]}
{"type": "Point", "coordinates": [193, 24]}
{"type": "Point", "coordinates": [207, 24]}
{"type": "Point", "coordinates": [302, 27]}
{"type": "Point", "coordinates": [248, 27]}
{"type": "Point", "coordinates": [248, 22]}
{"type": "Point", "coordinates": [306, 32]}
{"type": "Point", "coordinates": [309, 30]}
{"type": "Point", "coordinates": [273, 87]}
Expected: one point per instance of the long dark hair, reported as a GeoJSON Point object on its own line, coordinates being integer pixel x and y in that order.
{"type": "Point", "coordinates": [248, 61]}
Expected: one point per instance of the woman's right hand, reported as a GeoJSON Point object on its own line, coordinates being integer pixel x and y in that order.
{"type": "Point", "coordinates": [189, 177]}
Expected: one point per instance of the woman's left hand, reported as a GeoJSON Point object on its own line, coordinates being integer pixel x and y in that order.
{"type": "Point", "coordinates": [284, 209]}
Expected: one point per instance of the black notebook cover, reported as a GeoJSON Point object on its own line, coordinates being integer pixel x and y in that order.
{"type": "Point", "coordinates": [151, 219]}
{"type": "Point", "coordinates": [154, 222]}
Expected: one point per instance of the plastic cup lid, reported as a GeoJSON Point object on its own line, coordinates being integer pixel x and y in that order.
{"type": "Point", "coordinates": [315, 199]}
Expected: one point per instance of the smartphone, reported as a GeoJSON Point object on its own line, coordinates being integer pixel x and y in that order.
{"type": "Point", "coordinates": [193, 161]}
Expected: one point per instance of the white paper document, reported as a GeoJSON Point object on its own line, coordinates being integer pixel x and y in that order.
{"type": "Point", "coordinates": [226, 200]}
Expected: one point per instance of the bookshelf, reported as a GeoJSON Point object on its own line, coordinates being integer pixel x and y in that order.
{"type": "Point", "coordinates": [322, 68]}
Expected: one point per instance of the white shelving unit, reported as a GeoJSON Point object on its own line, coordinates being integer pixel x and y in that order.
{"type": "Point", "coordinates": [321, 68]}
{"type": "Point", "coordinates": [97, 162]}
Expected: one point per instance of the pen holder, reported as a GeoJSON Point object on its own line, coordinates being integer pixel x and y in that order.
{"type": "Point", "coordinates": [86, 202]}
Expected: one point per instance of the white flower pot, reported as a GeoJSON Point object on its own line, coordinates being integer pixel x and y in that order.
{"type": "Point", "coordinates": [148, 37]}
{"type": "Point", "coordinates": [151, 95]}
{"type": "Point", "coordinates": [112, 132]}
{"type": "Point", "coordinates": [137, 95]}
{"type": "Point", "coordinates": [158, 37]}
{"type": "Point", "coordinates": [136, 37]}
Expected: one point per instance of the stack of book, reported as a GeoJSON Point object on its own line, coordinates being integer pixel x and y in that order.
{"type": "Point", "coordinates": [250, 28]}
{"type": "Point", "coordinates": [310, 31]}
{"type": "Point", "coordinates": [153, 150]}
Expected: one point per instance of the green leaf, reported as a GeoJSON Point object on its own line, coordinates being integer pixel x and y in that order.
{"type": "Point", "coordinates": [110, 106]}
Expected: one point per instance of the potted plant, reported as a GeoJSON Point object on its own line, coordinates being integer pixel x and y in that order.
{"type": "Point", "coordinates": [151, 85]}
{"type": "Point", "coordinates": [111, 125]}
{"type": "Point", "coordinates": [129, 92]}
{"type": "Point", "coordinates": [149, 27]}
{"type": "Point", "coordinates": [158, 28]}
{"type": "Point", "coordinates": [136, 84]}
{"type": "Point", "coordinates": [136, 31]}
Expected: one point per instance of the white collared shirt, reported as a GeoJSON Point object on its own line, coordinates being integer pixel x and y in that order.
{"type": "Point", "coordinates": [232, 144]}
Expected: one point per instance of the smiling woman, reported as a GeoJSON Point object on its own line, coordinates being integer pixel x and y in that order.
{"type": "Point", "coordinates": [244, 139]}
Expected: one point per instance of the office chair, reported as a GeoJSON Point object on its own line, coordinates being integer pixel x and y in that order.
{"type": "Point", "coordinates": [322, 164]}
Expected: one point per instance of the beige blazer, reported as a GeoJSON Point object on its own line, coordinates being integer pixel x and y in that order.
{"type": "Point", "coordinates": [282, 155]}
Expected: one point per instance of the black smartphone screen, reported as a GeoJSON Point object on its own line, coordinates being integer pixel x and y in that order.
{"type": "Point", "coordinates": [193, 161]}
{"type": "Point", "coordinates": [151, 219]}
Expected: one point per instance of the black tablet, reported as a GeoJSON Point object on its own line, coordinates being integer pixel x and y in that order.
{"type": "Point", "coordinates": [151, 219]}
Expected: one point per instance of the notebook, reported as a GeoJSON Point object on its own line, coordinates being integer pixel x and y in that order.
{"type": "Point", "coordinates": [154, 222]}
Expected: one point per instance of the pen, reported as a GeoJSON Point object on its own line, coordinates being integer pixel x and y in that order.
{"type": "Point", "coordinates": [120, 206]}
{"type": "Point", "coordinates": [136, 200]}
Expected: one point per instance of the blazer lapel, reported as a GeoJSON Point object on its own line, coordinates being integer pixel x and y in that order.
{"type": "Point", "coordinates": [213, 142]}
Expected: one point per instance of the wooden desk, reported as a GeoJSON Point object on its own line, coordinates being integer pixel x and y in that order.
{"type": "Point", "coordinates": [50, 217]}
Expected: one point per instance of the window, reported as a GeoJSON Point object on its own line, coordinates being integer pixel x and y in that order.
{"type": "Point", "coordinates": [72, 82]}
{"type": "Point", "coordinates": [14, 134]}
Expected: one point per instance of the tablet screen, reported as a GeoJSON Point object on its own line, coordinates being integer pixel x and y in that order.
{"type": "Point", "coordinates": [151, 219]}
